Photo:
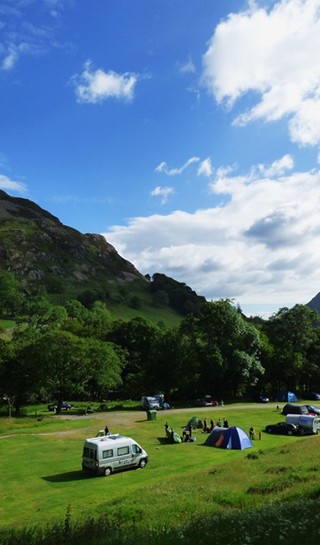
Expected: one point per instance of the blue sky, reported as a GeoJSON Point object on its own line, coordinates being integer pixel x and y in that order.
{"type": "Point", "coordinates": [185, 131]}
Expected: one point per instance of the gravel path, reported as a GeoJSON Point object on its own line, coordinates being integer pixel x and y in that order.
{"type": "Point", "coordinates": [124, 418]}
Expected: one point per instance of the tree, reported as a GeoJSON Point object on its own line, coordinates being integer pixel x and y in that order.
{"type": "Point", "coordinates": [94, 322]}
{"type": "Point", "coordinates": [72, 366]}
{"type": "Point", "coordinates": [10, 296]}
{"type": "Point", "coordinates": [292, 333]}
{"type": "Point", "coordinates": [229, 348]}
{"type": "Point", "coordinates": [21, 376]}
{"type": "Point", "coordinates": [105, 362]}
{"type": "Point", "coordinates": [40, 314]}
{"type": "Point", "coordinates": [136, 338]}
{"type": "Point", "coordinates": [165, 369]}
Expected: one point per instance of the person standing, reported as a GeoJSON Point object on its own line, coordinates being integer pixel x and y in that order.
{"type": "Point", "coordinates": [251, 432]}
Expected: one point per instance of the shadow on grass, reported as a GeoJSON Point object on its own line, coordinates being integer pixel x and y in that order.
{"type": "Point", "coordinates": [67, 476]}
{"type": "Point", "coordinates": [163, 440]}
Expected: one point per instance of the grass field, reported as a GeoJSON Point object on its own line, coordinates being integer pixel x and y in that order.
{"type": "Point", "coordinates": [41, 476]}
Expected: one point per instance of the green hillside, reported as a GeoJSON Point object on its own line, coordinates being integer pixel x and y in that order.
{"type": "Point", "coordinates": [48, 258]}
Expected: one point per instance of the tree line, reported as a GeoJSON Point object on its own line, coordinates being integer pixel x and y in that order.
{"type": "Point", "coordinates": [69, 351]}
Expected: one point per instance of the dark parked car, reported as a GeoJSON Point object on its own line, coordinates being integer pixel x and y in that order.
{"type": "Point", "coordinates": [205, 401]}
{"type": "Point", "coordinates": [312, 409]}
{"type": "Point", "coordinates": [260, 398]}
{"type": "Point", "coordinates": [294, 409]}
{"type": "Point", "coordinates": [314, 396]}
{"type": "Point", "coordinates": [64, 407]}
{"type": "Point", "coordinates": [282, 428]}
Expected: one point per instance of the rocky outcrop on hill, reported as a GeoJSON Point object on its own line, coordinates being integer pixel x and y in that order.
{"type": "Point", "coordinates": [314, 304]}
{"type": "Point", "coordinates": [35, 245]}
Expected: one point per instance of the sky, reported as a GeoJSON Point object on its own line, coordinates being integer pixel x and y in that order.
{"type": "Point", "coordinates": [187, 132]}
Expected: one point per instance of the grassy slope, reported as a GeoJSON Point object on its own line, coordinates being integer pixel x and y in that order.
{"type": "Point", "coordinates": [41, 473]}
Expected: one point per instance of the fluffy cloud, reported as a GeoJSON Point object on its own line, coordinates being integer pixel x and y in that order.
{"type": "Point", "coordinates": [162, 192]}
{"type": "Point", "coordinates": [259, 246]}
{"type": "Point", "coordinates": [96, 85]}
{"type": "Point", "coordinates": [205, 168]}
{"type": "Point", "coordinates": [163, 167]}
{"type": "Point", "coordinates": [10, 185]}
{"type": "Point", "coordinates": [275, 54]}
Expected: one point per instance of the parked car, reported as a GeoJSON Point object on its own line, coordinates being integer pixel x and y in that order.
{"type": "Point", "coordinates": [312, 409]}
{"type": "Point", "coordinates": [149, 402]}
{"type": "Point", "coordinates": [282, 428]}
{"type": "Point", "coordinates": [163, 405]}
{"type": "Point", "coordinates": [314, 396]}
{"type": "Point", "coordinates": [64, 407]}
{"type": "Point", "coordinates": [260, 398]}
{"type": "Point", "coordinates": [205, 401]}
{"type": "Point", "coordinates": [294, 409]}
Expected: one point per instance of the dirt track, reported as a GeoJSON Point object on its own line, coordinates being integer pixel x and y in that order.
{"type": "Point", "coordinates": [124, 418]}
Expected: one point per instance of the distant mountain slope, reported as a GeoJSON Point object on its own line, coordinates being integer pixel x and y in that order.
{"type": "Point", "coordinates": [314, 304]}
{"type": "Point", "coordinates": [43, 253]}
{"type": "Point", "coordinates": [34, 245]}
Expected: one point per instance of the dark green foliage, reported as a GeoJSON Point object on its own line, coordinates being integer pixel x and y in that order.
{"type": "Point", "coordinates": [293, 523]}
{"type": "Point", "coordinates": [10, 293]}
{"type": "Point", "coordinates": [179, 295]}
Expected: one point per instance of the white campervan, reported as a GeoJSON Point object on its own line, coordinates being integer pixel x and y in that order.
{"type": "Point", "coordinates": [104, 455]}
{"type": "Point", "coordinates": [307, 423]}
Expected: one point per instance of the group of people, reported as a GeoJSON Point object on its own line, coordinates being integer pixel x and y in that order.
{"type": "Point", "coordinates": [208, 428]}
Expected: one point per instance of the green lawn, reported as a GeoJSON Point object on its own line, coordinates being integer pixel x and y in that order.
{"type": "Point", "coordinates": [41, 475]}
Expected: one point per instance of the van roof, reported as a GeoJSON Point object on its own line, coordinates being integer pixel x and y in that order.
{"type": "Point", "coordinates": [109, 438]}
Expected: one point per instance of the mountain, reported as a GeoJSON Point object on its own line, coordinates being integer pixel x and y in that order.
{"type": "Point", "coordinates": [43, 253]}
{"type": "Point", "coordinates": [314, 304]}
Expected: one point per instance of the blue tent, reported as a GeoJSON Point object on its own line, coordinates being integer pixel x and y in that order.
{"type": "Point", "coordinates": [230, 438]}
{"type": "Point", "coordinates": [286, 396]}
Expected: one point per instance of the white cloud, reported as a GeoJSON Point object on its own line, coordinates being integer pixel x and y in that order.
{"type": "Point", "coordinates": [278, 168]}
{"type": "Point", "coordinates": [96, 85]}
{"type": "Point", "coordinates": [20, 36]}
{"type": "Point", "coordinates": [162, 192]}
{"type": "Point", "coordinates": [188, 67]}
{"type": "Point", "coordinates": [259, 246]}
{"type": "Point", "coordinates": [9, 60]}
{"type": "Point", "coordinates": [10, 185]}
{"type": "Point", "coordinates": [205, 168]}
{"type": "Point", "coordinates": [275, 54]}
{"type": "Point", "coordinates": [13, 54]}
{"type": "Point", "coordinates": [163, 167]}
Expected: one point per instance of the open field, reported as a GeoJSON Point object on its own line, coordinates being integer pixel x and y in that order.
{"type": "Point", "coordinates": [41, 476]}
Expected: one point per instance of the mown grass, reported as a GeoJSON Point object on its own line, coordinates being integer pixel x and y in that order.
{"type": "Point", "coordinates": [184, 485]}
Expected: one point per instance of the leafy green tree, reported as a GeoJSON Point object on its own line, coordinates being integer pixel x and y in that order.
{"type": "Point", "coordinates": [10, 294]}
{"type": "Point", "coordinates": [74, 366]}
{"type": "Point", "coordinates": [105, 362]}
{"type": "Point", "coordinates": [229, 348]}
{"type": "Point", "coordinates": [21, 377]}
{"type": "Point", "coordinates": [94, 322]}
{"type": "Point", "coordinates": [137, 338]}
{"type": "Point", "coordinates": [164, 370]}
{"type": "Point", "coordinates": [40, 314]}
{"type": "Point", "coordinates": [293, 333]}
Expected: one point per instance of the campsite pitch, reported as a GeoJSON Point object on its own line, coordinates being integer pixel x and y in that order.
{"type": "Point", "coordinates": [180, 480]}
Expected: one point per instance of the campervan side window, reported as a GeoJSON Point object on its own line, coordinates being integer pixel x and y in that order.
{"type": "Point", "coordinates": [107, 453]}
{"type": "Point", "coordinates": [122, 451]}
{"type": "Point", "coordinates": [136, 449]}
